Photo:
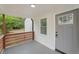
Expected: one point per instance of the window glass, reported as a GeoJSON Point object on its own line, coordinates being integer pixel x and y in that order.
{"type": "Point", "coordinates": [43, 26]}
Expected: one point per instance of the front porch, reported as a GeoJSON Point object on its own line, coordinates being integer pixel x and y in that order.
{"type": "Point", "coordinates": [41, 28]}
{"type": "Point", "coordinates": [21, 44]}
{"type": "Point", "coordinates": [29, 47]}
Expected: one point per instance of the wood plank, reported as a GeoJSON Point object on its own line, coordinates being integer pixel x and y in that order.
{"type": "Point", "coordinates": [10, 39]}
{"type": "Point", "coordinates": [17, 42]}
{"type": "Point", "coordinates": [1, 45]}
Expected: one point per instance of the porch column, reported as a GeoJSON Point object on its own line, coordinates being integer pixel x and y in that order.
{"type": "Point", "coordinates": [4, 24]}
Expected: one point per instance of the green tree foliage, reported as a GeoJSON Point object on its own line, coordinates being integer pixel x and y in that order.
{"type": "Point", "coordinates": [12, 23]}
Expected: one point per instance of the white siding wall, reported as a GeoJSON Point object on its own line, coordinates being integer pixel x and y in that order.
{"type": "Point", "coordinates": [49, 39]}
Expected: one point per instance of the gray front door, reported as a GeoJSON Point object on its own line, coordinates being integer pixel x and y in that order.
{"type": "Point", "coordinates": [63, 36]}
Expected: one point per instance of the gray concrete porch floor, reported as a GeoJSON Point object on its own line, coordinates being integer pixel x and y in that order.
{"type": "Point", "coordinates": [30, 47]}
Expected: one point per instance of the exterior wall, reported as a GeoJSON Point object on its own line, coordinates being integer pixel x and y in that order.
{"type": "Point", "coordinates": [49, 39]}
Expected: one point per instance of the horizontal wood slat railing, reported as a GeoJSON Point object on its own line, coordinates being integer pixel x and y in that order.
{"type": "Point", "coordinates": [1, 45]}
{"type": "Point", "coordinates": [11, 39]}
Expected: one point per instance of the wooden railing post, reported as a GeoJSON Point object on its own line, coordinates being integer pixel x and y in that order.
{"type": "Point", "coordinates": [4, 42]}
{"type": "Point", "coordinates": [4, 29]}
{"type": "Point", "coordinates": [1, 45]}
{"type": "Point", "coordinates": [33, 35]}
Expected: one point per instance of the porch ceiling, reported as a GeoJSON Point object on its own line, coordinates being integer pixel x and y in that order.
{"type": "Point", "coordinates": [25, 10]}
